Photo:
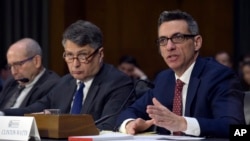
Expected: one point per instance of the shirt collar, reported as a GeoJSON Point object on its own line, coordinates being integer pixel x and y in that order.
{"type": "Point", "coordinates": [186, 75]}
{"type": "Point", "coordinates": [36, 78]}
{"type": "Point", "coordinates": [87, 83]}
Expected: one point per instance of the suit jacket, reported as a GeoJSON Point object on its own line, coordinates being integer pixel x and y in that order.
{"type": "Point", "coordinates": [40, 89]}
{"type": "Point", "coordinates": [1, 85]}
{"type": "Point", "coordinates": [213, 98]}
{"type": "Point", "coordinates": [108, 90]}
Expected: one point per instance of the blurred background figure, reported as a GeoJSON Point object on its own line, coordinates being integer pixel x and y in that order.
{"type": "Point", "coordinates": [224, 58]}
{"type": "Point", "coordinates": [246, 57]}
{"type": "Point", "coordinates": [244, 69]}
{"type": "Point", "coordinates": [246, 75]}
{"type": "Point", "coordinates": [243, 59]}
{"type": "Point", "coordinates": [4, 73]}
{"type": "Point", "coordinates": [129, 66]}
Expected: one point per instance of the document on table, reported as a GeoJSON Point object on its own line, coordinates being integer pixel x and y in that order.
{"type": "Point", "coordinates": [161, 137]}
{"type": "Point", "coordinates": [102, 137]}
{"type": "Point", "coordinates": [164, 137]}
{"type": "Point", "coordinates": [115, 136]}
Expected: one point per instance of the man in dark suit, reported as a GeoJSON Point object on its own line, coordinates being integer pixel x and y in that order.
{"type": "Point", "coordinates": [206, 103]}
{"type": "Point", "coordinates": [25, 62]}
{"type": "Point", "coordinates": [105, 87]}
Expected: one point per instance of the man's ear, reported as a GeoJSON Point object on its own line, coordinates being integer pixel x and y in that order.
{"type": "Point", "coordinates": [38, 61]}
{"type": "Point", "coordinates": [197, 42]}
{"type": "Point", "coordinates": [101, 54]}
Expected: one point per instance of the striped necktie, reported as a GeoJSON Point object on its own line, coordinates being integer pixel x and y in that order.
{"type": "Point", "coordinates": [14, 97]}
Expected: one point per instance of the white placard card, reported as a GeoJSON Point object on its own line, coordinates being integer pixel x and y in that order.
{"type": "Point", "coordinates": [18, 128]}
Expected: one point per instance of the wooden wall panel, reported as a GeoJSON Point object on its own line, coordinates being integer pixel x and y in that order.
{"type": "Point", "coordinates": [130, 27]}
{"type": "Point", "coordinates": [56, 25]}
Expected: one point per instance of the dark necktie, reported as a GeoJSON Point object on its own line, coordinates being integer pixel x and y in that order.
{"type": "Point", "coordinates": [177, 104]}
{"type": "Point", "coordinates": [78, 98]}
{"type": "Point", "coordinates": [14, 97]}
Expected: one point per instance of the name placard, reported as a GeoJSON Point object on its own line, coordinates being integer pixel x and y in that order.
{"type": "Point", "coordinates": [18, 128]}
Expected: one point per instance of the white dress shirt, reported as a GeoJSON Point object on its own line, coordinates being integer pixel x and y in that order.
{"type": "Point", "coordinates": [193, 127]}
{"type": "Point", "coordinates": [26, 90]}
{"type": "Point", "coordinates": [87, 85]}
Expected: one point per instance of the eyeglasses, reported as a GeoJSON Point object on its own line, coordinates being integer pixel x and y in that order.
{"type": "Point", "coordinates": [81, 57]}
{"type": "Point", "coordinates": [177, 38]}
{"type": "Point", "coordinates": [18, 64]}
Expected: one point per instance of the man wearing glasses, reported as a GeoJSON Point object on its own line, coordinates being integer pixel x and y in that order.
{"type": "Point", "coordinates": [92, 87]}
{"type": "Point", "coordinates": [31, 80]}
{"type": "Point", "coordinates": [196, 96]}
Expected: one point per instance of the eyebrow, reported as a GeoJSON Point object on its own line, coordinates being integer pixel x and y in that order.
{"type": "Point", "coordinates": [176, 33]}
{"type": "Point", "coordinates": [80, 51]}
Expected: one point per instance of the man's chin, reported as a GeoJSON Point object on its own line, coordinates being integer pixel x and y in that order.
{"type": "Point", "coordinates": [78, 76]}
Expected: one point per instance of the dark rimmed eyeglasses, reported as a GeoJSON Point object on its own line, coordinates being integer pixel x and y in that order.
{"type": "Point", "coordinates": [81, 57]}
{"type": "Point", "coordinates": [18, 64]}
{"type": "Point", "coordinates": [177, 38]}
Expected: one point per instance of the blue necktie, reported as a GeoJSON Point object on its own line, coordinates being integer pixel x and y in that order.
{"type": "Point", "coordinates": [77, 103]}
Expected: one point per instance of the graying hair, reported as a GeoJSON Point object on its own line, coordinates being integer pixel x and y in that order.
{"type": "Point", "coordinates": [83, 33]}
{"type": "Point", "coordinates": [166, 16]}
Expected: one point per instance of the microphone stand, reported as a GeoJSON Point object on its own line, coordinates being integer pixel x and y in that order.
{"type": "Point", "coordinates": [149, 84]}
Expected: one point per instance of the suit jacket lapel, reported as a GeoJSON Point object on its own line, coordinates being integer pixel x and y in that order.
{"type": "Point", "coordinates": [27, 98]}
{"type": "Point", "coordinates": [67, 94]}
{"type": "Point", "coordinates": [34, 88]}
{"type": "Point", "coordinates": [92, 93]}
{"type": "Point", "coordinates": [93, 90]}
{"type": "Point", "coordinates": [12, 89]}
{"type": "Point", "coordinates": [194, 84]}
{"type": "Point", "coordinates": [192, 91]}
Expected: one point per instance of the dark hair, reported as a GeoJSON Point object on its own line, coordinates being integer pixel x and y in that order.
{"type": "Point", "coordinates": [246, 86]}
{"type": "Point", "coordinates": [246, 63]}
{"type": "Point", "coordinates": [128, 59]}
{"type": "Point", "coordinates": [83, 33]}
{"type": "Point", "coordinates": [246, 57]}
{"type": "Point", "coordinates": [166, 16]}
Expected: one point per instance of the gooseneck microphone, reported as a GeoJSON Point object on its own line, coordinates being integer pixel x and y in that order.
{"type": "Point", "coordinates": [149, 84]}
{"type": "Point", "coordinates": [24, 80]}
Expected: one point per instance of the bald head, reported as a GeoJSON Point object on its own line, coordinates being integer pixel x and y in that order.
{"type": "Point", "coordinates": [25, 59]}
{"type": "Point", "coordinates": [26, 47]}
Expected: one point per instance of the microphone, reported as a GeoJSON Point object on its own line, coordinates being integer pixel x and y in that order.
{"type": "Point", "coordinates": [149, 84]}
{"type": "Point", "coordinates": [24, 80]}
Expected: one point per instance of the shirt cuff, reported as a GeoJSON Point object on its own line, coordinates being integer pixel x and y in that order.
{"type": "Point", "coordinates": [1, 113]}
{"type": "Point", "coordinates": [193, 127]}
{"type": "Point", "coordinates": [122, 128]}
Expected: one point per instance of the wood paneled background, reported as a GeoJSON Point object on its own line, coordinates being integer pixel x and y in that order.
{"type": "Point", "coordinates": [130, 27]}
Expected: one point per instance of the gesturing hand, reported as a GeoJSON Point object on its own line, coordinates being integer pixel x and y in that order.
{"type": "Point", "coordinates": [163, 117]}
